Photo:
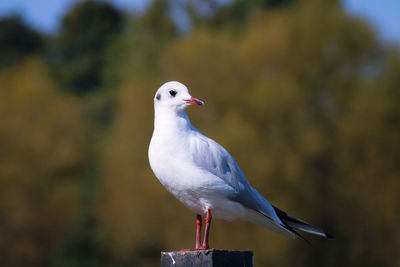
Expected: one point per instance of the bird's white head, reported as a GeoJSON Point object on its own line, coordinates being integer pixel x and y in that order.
{"type": "Point", "coordinates": [174, 96]}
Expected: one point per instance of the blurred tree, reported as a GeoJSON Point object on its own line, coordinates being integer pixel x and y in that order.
{"type": "Point", "coordinates": [42, 157]}
{"type": "Point", "coordinates": [157, 20]}
{"type": "Point", "coordinates": [234, 14]}
{"type": "Point", "coordinates": [17, 41]}
{"type": "Point", "coordinates": [298, 82]}
{"type": "Point", "coordinates": [147, 37]}
{"type": "Point", "coordinates": [303, 96]}
{"type": "Point", "coordinates": [79, 53]}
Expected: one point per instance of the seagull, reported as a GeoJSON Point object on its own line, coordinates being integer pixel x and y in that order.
{"type": "Point", "coordinates": [202, 174]}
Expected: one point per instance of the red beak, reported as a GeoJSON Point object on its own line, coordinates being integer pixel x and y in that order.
{"type": "Point", "coordinates": [194, 101]}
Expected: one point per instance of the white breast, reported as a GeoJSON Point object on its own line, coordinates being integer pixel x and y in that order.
{"type": "Point", "coordinates": [197, 188]}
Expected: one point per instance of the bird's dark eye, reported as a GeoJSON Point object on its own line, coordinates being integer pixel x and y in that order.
{"type": "Point", "coordinates": [172, 92]}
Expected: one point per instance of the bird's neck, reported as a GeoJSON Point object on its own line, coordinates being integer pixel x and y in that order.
{"type": "Point", "coordinates": [168, 121]}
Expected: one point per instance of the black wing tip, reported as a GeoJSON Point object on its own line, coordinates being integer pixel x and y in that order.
{"type": "Point", "coordinates": [290, 229]}
{"type": "Point", "coordinates": [329, 236]}
{"type": "Point", "coordinates": [302, 237]}
{"type": "Point", "coordinates": [286, 218]}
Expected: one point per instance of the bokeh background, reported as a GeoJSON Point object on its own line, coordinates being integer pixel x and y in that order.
{"type": "Point", "coordinates": [304, 94]}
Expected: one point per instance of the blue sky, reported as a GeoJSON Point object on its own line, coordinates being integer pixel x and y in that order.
{"type": "Point", "coordinates": [384, 15]}
{"type": "Point", "coordinates": [45, 15]}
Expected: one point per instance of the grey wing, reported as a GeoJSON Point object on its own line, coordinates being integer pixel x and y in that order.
{"type": "Point", "coordinates": [212, 157]}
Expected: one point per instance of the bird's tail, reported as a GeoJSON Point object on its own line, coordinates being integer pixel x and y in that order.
{"type": "Point", "coordinates": [295, 223]}
{"type": "Point", "coordinates": [264, 221]}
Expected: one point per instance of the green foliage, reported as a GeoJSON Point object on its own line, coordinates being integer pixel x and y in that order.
{"type": "Point", "coordinates": [43, 154]}
{"type": "Point", "coordinates": [17, 41]}
{"type": "Point", "coordinates": [239, 11]}
{"type": "Point", "coordinates": [304, 97]}
{"type": "Point", "coordinates": [79, 53]}
{"type": "Point", "coordinates": [157, 20]}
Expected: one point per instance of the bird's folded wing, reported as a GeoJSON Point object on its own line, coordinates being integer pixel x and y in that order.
{"type": "Point", "coordinates": [212, 157]}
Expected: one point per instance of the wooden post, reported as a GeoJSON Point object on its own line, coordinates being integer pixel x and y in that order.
{"type": "Point", "coordinates": [207, 258]}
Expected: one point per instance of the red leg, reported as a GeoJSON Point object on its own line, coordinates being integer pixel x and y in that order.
{"type": "Point", "coordinates": [207, 230]}
{"type": "Point", "coordinates": [198, 232]}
